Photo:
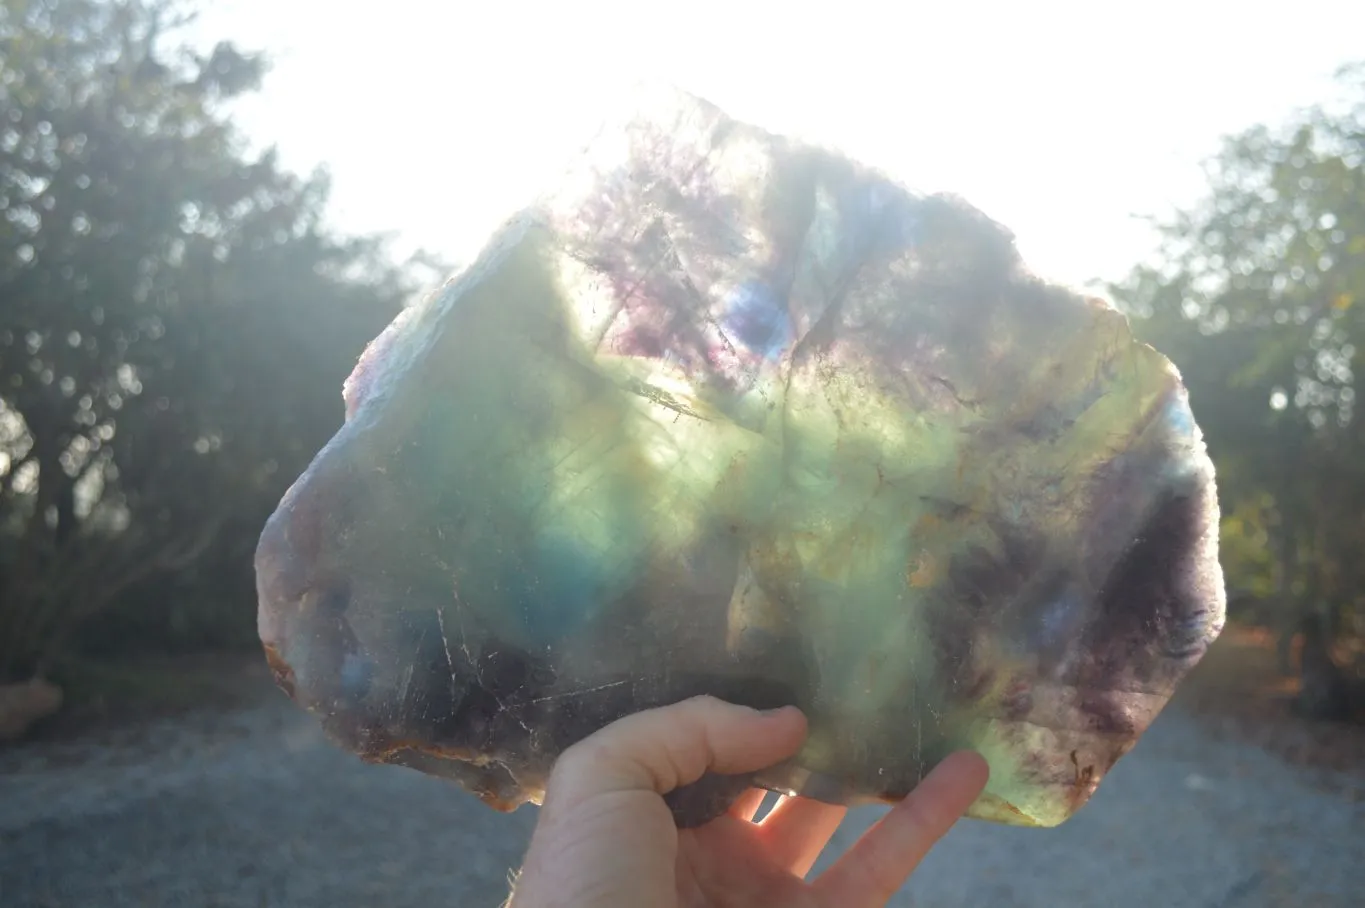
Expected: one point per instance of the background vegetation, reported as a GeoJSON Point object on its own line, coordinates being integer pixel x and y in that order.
{"type": "Point", "coordinates": [176, 322]}
{"type": "Point", "coordinates": [1258, 295]}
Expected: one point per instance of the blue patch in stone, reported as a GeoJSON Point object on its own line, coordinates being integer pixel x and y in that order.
{"type": "Point", "coordinates": [357, 673]}
{"type": "Point", "coordinates": [1057, 620]}
{"type": "Point", "coordinates": [1179, 418]}
{"type": "Point", "coordinates": [565, 587]}
{"type": "Point", "coordinates": [756, 317]}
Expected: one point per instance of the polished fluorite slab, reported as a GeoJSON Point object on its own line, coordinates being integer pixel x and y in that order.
{"type": "Point", "coordinates": [730, 414]}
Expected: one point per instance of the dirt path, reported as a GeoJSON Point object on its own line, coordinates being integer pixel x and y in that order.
{"type": "Point", "coordinates": [252, 808]}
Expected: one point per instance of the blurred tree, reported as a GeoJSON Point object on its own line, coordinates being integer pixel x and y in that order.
{"type": "Point", "coordinates": [1258, 296]}
{"type": "Point", "coordinates": [175, 322]}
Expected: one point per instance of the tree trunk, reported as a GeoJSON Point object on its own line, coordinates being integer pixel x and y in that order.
{"type": "Point", "coordinates": [1323, 689]}
{"type": "Point", "coordinates": [1286, 603]}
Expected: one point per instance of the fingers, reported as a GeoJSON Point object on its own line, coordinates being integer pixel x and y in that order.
{"type": "Point", "coordinates": [661, 749]}
{"type": "Point", "coordinates": [797, 830]}
{"type": "Point", "coordinates": [874, 868]}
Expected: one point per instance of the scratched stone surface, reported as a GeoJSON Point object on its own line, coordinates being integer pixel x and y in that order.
{"type": "Point", "coordinates": [725, 413]}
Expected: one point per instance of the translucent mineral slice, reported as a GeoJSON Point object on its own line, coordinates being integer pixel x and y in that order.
{"type": "Point", "coordinates": [731, 414]}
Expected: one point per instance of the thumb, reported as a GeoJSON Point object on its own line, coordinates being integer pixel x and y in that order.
{"type": "Point", "coordinates": [605, 836]}
{"type": "Point", "coordinates": [662, 749]}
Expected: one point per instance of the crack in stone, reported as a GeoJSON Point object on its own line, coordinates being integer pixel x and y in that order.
{"type": "Point", "coordinates": [579, 693]}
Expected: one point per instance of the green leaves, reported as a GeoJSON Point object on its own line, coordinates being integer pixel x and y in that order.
{"type": "Point", "coordinates": [1256, 302]}
{"type": "Point", "coordinates": [175, 325]}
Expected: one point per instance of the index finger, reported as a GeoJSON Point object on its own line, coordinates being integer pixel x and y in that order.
{"type": "Point", "coordinates": [879, 862]}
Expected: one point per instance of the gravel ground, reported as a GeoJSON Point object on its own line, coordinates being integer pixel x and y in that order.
{"type": "Point", "coordinates": [253, 808]}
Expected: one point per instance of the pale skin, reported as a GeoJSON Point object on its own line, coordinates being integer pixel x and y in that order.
{"type": "Point", "coordinates": [605, 837]}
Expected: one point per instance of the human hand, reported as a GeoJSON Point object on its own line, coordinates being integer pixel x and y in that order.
{"type": "Point", "coordinates": [606, 838]}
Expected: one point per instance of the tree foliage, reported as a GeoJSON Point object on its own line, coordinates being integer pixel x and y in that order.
{"type": "Point", "coordinates": [1258, 295]}
{"type": "Point", "coordinates": [175, 324]}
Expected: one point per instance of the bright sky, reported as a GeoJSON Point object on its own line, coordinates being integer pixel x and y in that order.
{"type": "Point", "coordinates": [1061, 120]}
